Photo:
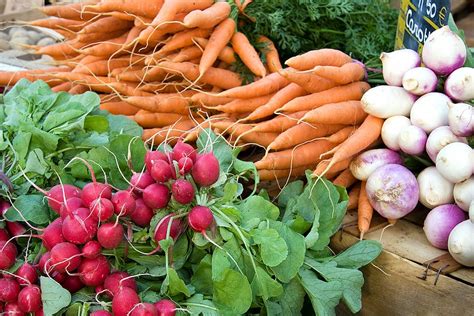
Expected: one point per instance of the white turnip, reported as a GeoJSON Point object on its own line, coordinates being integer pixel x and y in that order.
{"type": "Point", "coordinates": [420, 80]}
{"type": "Point", "coordinates": [387, 101]}
{"type": "Point", "coordinates": [439, 138]}
{"type": "Point", "coordinates": [430, 111]}
{"type": "Point", "coordinates": [412, 140]}
{"type": "Point", "coordinates": [461, 241]}
{"type": "Point", "coordinates": [367, 162]}
{"type": "Point", "coordinates": [397, 63]}
{"type": "Point", "coordinates": [391, 130]}
{"type": "Point", "coordinates": [464, 193]}
{"type": "Point", "coordinates": [439, 223]}
{"type": "Point", "coordinates": [460, 84]}
{"type": "Point", "coordinates": [455, 162]}
{"type": "Point", "coordinates": [435, 190]}
{"type": "Point", "coordinates": [461, 119]}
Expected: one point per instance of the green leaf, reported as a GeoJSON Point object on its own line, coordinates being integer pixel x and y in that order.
{"type": "Point", "coordinates": [358, 255]}
{"type": "Point", "coordinates": [36, 163]}
{"type": "Point", "coordinates": [197, 305]}
{"type": "Point", "coordinates": [53, 296]}
{"type": "Point", "coordinates": [202, 276]}
{"type": "Point", "coordinates": [324, 296]}
{"type": "Point", "coordinates": [32, 207]}
{"type": "Point", "coordinates": [292, 298]}
{"type": "Point", "coordinates": [96, 123]}
{"type": "Point", "coordinates": [255, 209]}
{"type": "Point", "coordinates": [119, 124]}
{"type": "Point", "coordinates": [21, 143]}
{"type": "Point", "coordinates": [219, 264]}
{"type": "Point", "coordinates": [266, 287]}
{"type": "Point", "coordinates": [273, 248]}
{"type": "Point", "coordinates": [173, 285]}
{"type": "Point", "coordinates": [291, 190]}
{"type": "Point", "coordinates": [232, 293]}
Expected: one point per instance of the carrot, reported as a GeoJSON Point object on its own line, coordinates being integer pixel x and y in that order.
{"type": "Point", "coordinates": [64, 24]}
{"type": "Point", "coordinates": [364, 211]}
{"type": "Point", "coordinates": [124, 71]}
{"type": "Point", "coordinates": [226, 55]}
{"type": "Point", "coordinates": [342, 134]}
{"type": "Point", "coordinates": [182, 39]}
{"type": "Point", "coordinates": [271, 54]}
{"type": "Point", "coordinates": [164, 103]}
{"type": "Point", "coordinates": [345, 179]}
{"type": "Point", "coordinates": [354, 194]}
{"type": "Point", "coordinates": [237, 131]}
{"type": "Point", "coordinates": [271, 175]}
{"type": "Point", "coordinates": [61, 50]}
{"type": "Point", "coordinates": [103, 67]}
{"type": "Point", "coordinates": [267, 85]}
{"type": "Point", "coordinates": [154, 74]}
{"type": "Point", "coordinates": [283, 96]}
{"type": "Point", "coordinates": [160, 135]}
{"type": "Point", "coordinates": [152, 37]}
{"type": "Point", "coordinates": [352, 91]}
{"type": "Point", "coordinates": [107, 24]}
{"type": "Point", "coordinates": [243, 105]}
{"type": "Point", "coordinates": [207, 100]}
{"type": "Point", "coordinates": [300, 156]}
{"type": "Point", "coordinates": [163, 88]}
{"type": "Point", "coordinates": [345, 74]}
{"type": "Point", "coordinates": [106, 49]}
{"type": "Point", "coordinates": [301, 133]}
{"type": "Point", "coordinates": [188, 53]}
{"type": "Point", "coordinates": [119, 108]}
{"type": "Point", "coordinates": [98, 37]}
{"type": "Point", "coordinates": [65, 86]}
{"type": "Point", "coordinates": [320, 57]}
{"type": "Point", "coordinates": [171, 7]}
{"type": "Point", "coordinates": [324, 167]}
{"type": "Point", "coordinates": [130, 40]}
{"type": "Point", "coordinates": [121, 15]}
{"type": "Point", "coordinates": [147, 9]}
{"type": "Point", "coordinates": [78, 89]}
{"type": "Point", "coordinates": [73, 11]}
{"type": "Point", "coordinates": [209, 17]}
{"type": "Point", "coordinates": [8, 78]}
{"type": "Point", "coordinates": [279, 123]}
{"type": "Point", "coordinates": [248, 54]}
{"type": "Point", "coordinates": [346, 112]}
{"type": "Point", "coordinates": [218, 40]}
{"type": "Point", "coordinates": [311, 83]}
{"type": "Point", "coordinates": [151, 120]}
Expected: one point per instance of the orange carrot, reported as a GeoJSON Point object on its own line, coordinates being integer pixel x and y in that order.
{"type": "Point", "coordinates": [164, 103]}
{"type": "Point", "coordinates": [323, 166]}
{"type": "Point", "coordinates": [226, 55]}
{"type": "Point", "coordinates": [119, 108]}
{"type": "Point", "coordinates": [167, 134]}
{"type": "Point", "coordinates": [151, 37]}
{"type": "Point", "coordinates": [64, 24]}
{"type": "Point", "coordinates": [279, 123]}
{"type": "Point", "coordinates": [311, 83]}
{"type": "Point", "coordinates": [209, 17]}
{"type": "Point", "coordinates": [248, 54]}
{"type": "Point", "coordinates": [236, 130]}
{"type": "Point", "coordinates": [98, 37]}
{"type": "Point", "coordinates": [147, 9]}
{"type": "Point", "coordinates": [267, 85]}
{"type": "Point", "coordinates": [279, 174]}
{"type": "Point", "coordinates": [106, 49]}
{"type": "Point", "coordinates": [352, 91]}
{"type": "Point", "coordinates": [345, 74]}
{"type": "Point", "coordinates": [61, 50]}
{"type": "Point", "coordinates": [73, 11]}
{"type": "Point", "coordinates": [345, 179]}
{"type": "Point", "coordinates": [354, 197]}
{"type": "Point", "coordinates": [207, 100]}
{"type": "Point", "coordinates": [320, 57]}
{"type": "Point", "coordinates": [170, 8]}
{"type": "Point", "coordinates": [188, 53]}
{"type": "Point", "coordinates": [342, 134]}
{"type": "Point", "coordinates": [364, 211]}
{"type": "Point", "coordinates": [151, 120]}
{"type": "Point", "coordinates": [78, 89]}
{"type": "Point", "coordinates": [182, 39]}
{"type": "Point", "coordinates": [107, 24]}
{"type": "Point", "coordinates": [346, 112]}
{"type": "Point", "coordinates": [243, 105]}
{"type": "Point", "coordinates": [65, 86]}
{"type": "Point", "coordinates": [271, 54]}
{"type": "Point", "coordinates": [8, 78]}
{"type": "Point", "coordinates": [104, 67]}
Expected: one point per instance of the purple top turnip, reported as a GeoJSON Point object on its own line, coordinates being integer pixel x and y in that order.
{"type": "Point", "coordinates": [397, 63]}
{"type": "Point", "coordinates": [460, 84]}
{"type": "Point", "coordinates": [439, 223]}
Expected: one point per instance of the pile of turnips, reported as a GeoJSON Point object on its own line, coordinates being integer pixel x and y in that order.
{"type": "Point", "coordinates": [92, 219]}
{"type": "Point", "coordinates": [424, 116]}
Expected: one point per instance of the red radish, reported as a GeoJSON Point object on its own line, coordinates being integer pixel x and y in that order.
{"type": "Point", "coordinates": [92, 272]}
{"type": "Point", "coordinates": [185, 165]}
{"type": "Point", "coordinates": [7, 255]}
{"type": "Point", "coordinates": [156, 196]}
{"type": "Point", "coordinates": [99, 289]}
{"type": "Point", "coordinates": [141, 180]}
{"type": "Point", "coordinates": [144, 309]}
{"type": "Point", "coordinates": [124, 203]}
{"type": "Point", "coordinates": [161, 171]}
{"type": "Point", "coordinates": [181, 150]}
{"type": "Point", "coordinates": [71, 205]}
{"type": "Point", "coordinates": [65, 257]}
{"type": "Point", "coordinates": [183, 191]}
{"type": "Point", "coordinates": [72, 283]}
{"type": "Point", "coordinates": [15, 229]}
{"type": "Point", "coordinates": [165, 308]}
{"type": "Point", "coordinates": [102, 209]}
{"type": "Point", "coordinates": [124, 301]}
{"type": "Point", "coordinates": [53, 234]}
{"type": "Point", "coordinates": [91, 249]}
{"type": "Point", "coordinates": [153, 156]}
{"type": "Point", "coordinates": [206, 170]}
{"type": "Point", "coordinates": [142, 214]}
{"type": "Point", "coordinates": [162, 229]}
{"type": "Point", "coordinates": [57, 194]}
{"type": "Point", "coordinates": [9, 289]}
{"type": "Point", "coordinates": [44, 264]}
{"type": "Point", "coordinates": [39, 313]}
{"type": "Point", "coordinates": [4, 236]}
{"type": "Point", "coordinates": [114, 282]}
{"type": "Point", "coordinates": [200, 218]}
{"type": "Point", "coordinates": [29, 299]}
{"type": "Point", "coordinates": [79, 227]}
{"type": "Point", "coordinates": [94, 190]}
{"type": "Point", "coordinates": [101, 313]}
{"type": "Point", "coordinates": [27, 272]}
{"type": "Point", "coordinates": [110, 235]}
{"type": "Point", "coordinates": [13, 309]}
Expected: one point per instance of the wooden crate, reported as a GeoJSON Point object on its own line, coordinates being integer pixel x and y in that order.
{"type": "Point", "coordinates": [398, 282]}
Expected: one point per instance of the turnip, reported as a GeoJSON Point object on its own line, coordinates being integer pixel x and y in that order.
{"type": "Point", "coordinates": [29, 299]}
{"type": "Point", "coordinates": [65, 257]}
{"type": "Point", "coordinates": [464, 193]}
{"type": "Point", "coordinates": [397, 63]}
{"type": "Point", "coordinates": [124, 301]}
{"type": "Point", "coordinates": [142, 214]}
{"type": "Point", "coordinates": [27, 274]}
{"type": "Point", "coordinates": [461, 119]}
{"type": "Point", "coordinates": [420, 80]}
{"type": "Point", "coordinates": [110, 235]}
{"type": "Point", "coordinates": [93, 272]}
{"type": "Point", "coordinates": [455, 162]}
{"type": "Point", "coordinates": [412, 140]}
{"type": "Point", "coordinates": [79, 227]}
{"type": "Point", "coordinates": [9, 289]}
{"type": "Point", "coordinates": [392, 191]}
{"type": "Point", "coordinates": [439, 223]}
{"type": "Point", "coordinates": [115, 281]}
{"type": "Point", "coordinates": [181, 150]}
{"type": "Point", "coordinates": [366, 163]}
{"type": "Point", "coordinates": [387, 101]}
{"type": "Point", "coordinates": [141, 180]}
{"type": "Point", "coordinates": [70, 206]}
{"type": "Point", "coordinates": [460, 84]}
{"type": "Point", "coordinates": [153, 156]}
{"type": "Point", "coordinates": [13, 309]}
{"type": "Point", "coordinates": [165, 307]}
{"type": "Point", "coordinates": [439, 138]}
{"type": "Point", "coordinates": [185, 165]}
{"type": "Point", "coordinates": [94, 190]}
{"type": "Point", "coordinates": [101, 313]}
{"type": "Point", "coordinates": [461, 243]}
{"type": "Point", "coordinates": [72, 283]}
{"type": "Point", "coordinates": [8, 254]}
{"type": "Point", "coordinates": [91, 249]}
{"type": "Point", "coordinates": [182, 191]}
{"type": "Point", "coordinates": [161, 229]}
{"type": "Point", "coordinates": [161, 171]}
{"type": "Point", "coordinates": [206, 170]}
{"type": "Point", "coordinates": [444, 51]}
{"type": "Point", "coordinates": [156, 196]}
{"type": "Point", "coordinates": [435, 190]}
{"type": "Point", "coordinates": [102, 209]}
{"type": "Point", "coordinates": [430, 111]}
{"type": "Point", "coordinates": [144, 309]}
{"type": "Point", "coordinates": [124, 203]}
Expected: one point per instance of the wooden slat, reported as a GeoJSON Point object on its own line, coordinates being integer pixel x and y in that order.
{"type": "Point", "coordinates": [467, 24]}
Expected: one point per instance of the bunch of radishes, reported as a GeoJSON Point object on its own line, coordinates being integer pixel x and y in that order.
{"type": "Point", "coordinates": [420, 119]}
{"type": "Point", "coordinates": [93, 218]}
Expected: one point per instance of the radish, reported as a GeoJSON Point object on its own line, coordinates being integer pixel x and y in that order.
{"type": "Point", "coordinates": [102, 209]}
{"type": "Point", "coordinates": [29, 299]}
{"type": "Point", "coordinates": [200, 218]}
{"type": "Point", "coordinates": [144, 309]}
{"type": "Point", "coordinates": [94, 190]}
{"type": "Point", "coordinates": [185, 165]}
{"type": "Point", "coordinates": [455, 162]}
{"type": "Point", "coordinates": [115, 281]}
{"type": "Point", "coordinates": [183, 191]}
{"type": "Point", "coordinates": [420, 80]}
{"type": "Point", "coordinates": [165, 307]}
{"type": "Point", "coordinates": [153, 156]}
{"type": "Point", "coordinates": [8, 254]}
{"type": "Point", "coordinates": [182, 150]}
{"type": "Point", "coordinates": [464, 193]}
{"type": "Point", "coordinates": [387, 101]}
{"type": "Point", "coordinates": [392, 191]}
{"type": "Point", "coordinates": [92, 272]}
{"type": "Point", "coordinates": [461, 243]}
{"type": "Point", "coordinates": [44, 263]}
{"type": "Point", "coordinates": [124, 203]}
{"type": "Point", "coordinates": [91, 249]}
{"type": "Point", "coordinates": [141, 180]}
{"type": "Point", "coordinates": [430, 111]}
{"type": "Point", "coordinates": [162, 228]}
{"type": "Point", "coordinates": [79, 227]}
{"type": "Point", "coordinates": [53, 234]}
{"type": "Point", "coordinates": [110, 235]}
{"type": "Point", "coordinates": [412, 140]}
{"type": "Point", "coordinates": [142, 214]}
{"type": "Point", "coordinates": [440, 222]}
{"type": "Point", "coordinates": [156, 196]}
{"type": "Point", "coordinates": [13, 309]}
{"type": "Point", "coordinates": [65, 257]}
{"type": "Point", "coordinates": [4, 236]}
{"type": "Point", "coordinates": [391, 130]}
{"type": "Point", "coordinates": [435, 190]}
{"type": "Point", "coordinates": [439, 138]}
{"type": "Point", "coordinates": [72, 283]}
{"type": "Point", "coordinates": [461, 119]}
{"type": "Point", "coordinates": [124, 301]}
{"type": "Point", "coordinates": [161, 171]}
{"type": "Point", "coordinates": [26, 272]}
{"type": "Point", "coordinates": [366, 163]}
{"type": "Point", "coordinates": [15, 229]}
{"type": "Point", "coordinates": [57, 194]}
{"type": "Point", "coordinates": [101, 313]}
{"type": "Point", "coordinates": [206, 170]}
{"type": "Point", "coordinates": [70, 205]}
{"type": "Point", "coordinates": [460, 84]}
{"type": "Point", "coordinates": [397, 63]}
{"type": "Point", "coordinates": [444, 51]}
{"type": "Point", "coordinates": [9, 289]}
